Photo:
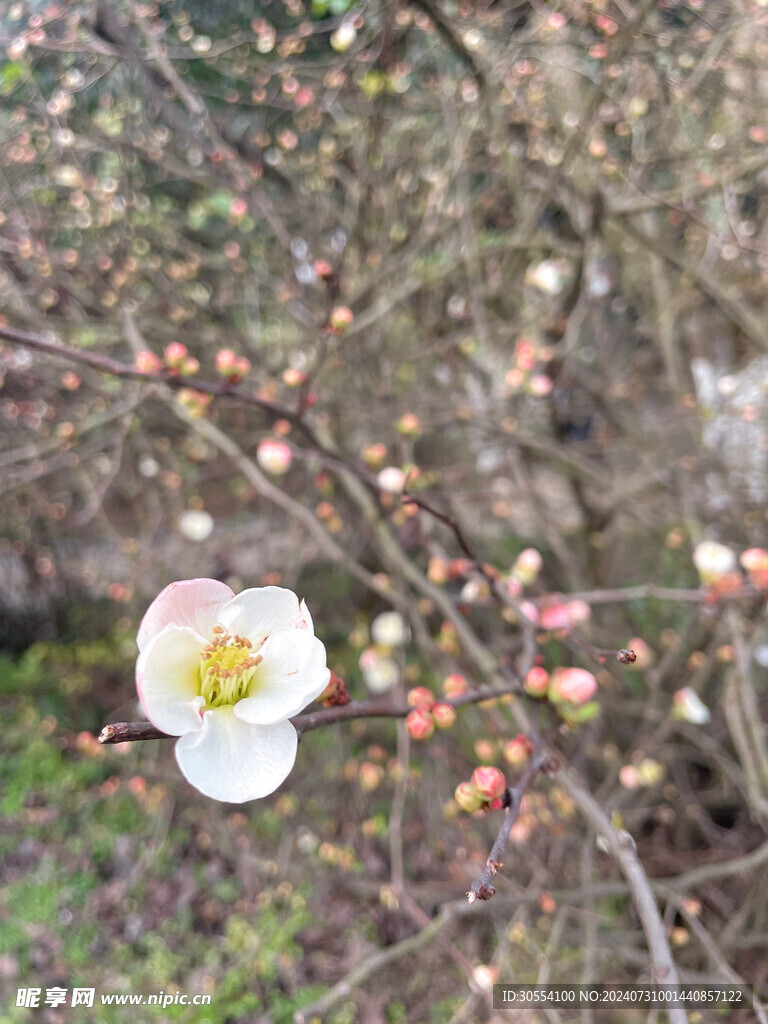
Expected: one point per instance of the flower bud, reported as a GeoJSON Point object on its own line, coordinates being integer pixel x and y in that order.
{"type": "Point", "coordinates": [195, 402]}
{"type": "Point", "coordinates": [419, 724]}
{"type": "Point", "coordinates": [488, 783]}
{"type": "Point", "coordinates": [518, 750]}
{"type": "Point", "coordinates": [390, 629]}
{"type": "Point", "coordinates": [189, 367]}
{"type": "Point", "coordinates": [391, 479]}
{"type": "Point", "coordinates": [571, 686]}
{"type": "Point", "coordinates": [294, 378]}
{"type": "Point", "coordinates": [341, 317]}
{"type": "Point", "coordinates": [690, 707]}
{"type": "Point", "coordinates": [444, 716]}
{"type": "Point", "coordinates": [454, 685]}
{"type": "Point", "coordinates": [274, 456]}
{"type": "Point", "coordinates": [148, 362]}
{"type": "Point", "coordinates": [409, 425]}
{"type": "Point", "coordinates": [373, 455]}
{"type": "Point", "coordinates": [421, 697]}
{"type": "Point", "coordinates": [713, 560]}
{"type": "Point", "coordinates": [466, 797]}
{"type": "Point", "coordinates": [527, 566]}
{"type": "Point", "coordinates": [369, 776]}
{"type": "Point", "coordinates": [755, 561]}
{"type": "Point", "coordinates": [175, 354]}
{"type": "Point", "coordinates": [537, 682]}
{"type": "Point", "coordinates": [335, 694]}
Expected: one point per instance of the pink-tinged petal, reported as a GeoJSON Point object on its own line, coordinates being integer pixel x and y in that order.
{"type": "Point", "coordinates": [292, 674]}
{"type": "Point", "coordinates": [166, 680]}
{"type": "Point", "coordinates": [260, 611]}
{"type": "Point", "coordinates": [233, 761]}
{"type": "Point", "coordinates": [193, 603]}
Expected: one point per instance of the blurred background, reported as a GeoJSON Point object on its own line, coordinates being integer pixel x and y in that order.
{"type": "Point", "coordinates": [511, 255]}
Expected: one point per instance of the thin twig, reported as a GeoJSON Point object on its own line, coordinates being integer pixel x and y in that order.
{"type": "Point", "coordinates": [482, 888]}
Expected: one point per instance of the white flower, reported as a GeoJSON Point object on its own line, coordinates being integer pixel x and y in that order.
{"type": "Point", "coordinates": [380, 673]}
{"type": "Point", "coordinates": [195, 524]}
{"type": "Point", "coordinates": [225, 674]}
{"type": "Point", "coordinates": [389, 629]}
{"type": "Point", "coordinates": [713, 560]}
{"type": "Point", "coordinates": [690, 707]}
{"type": "Point", "coordinates": [391, 479]}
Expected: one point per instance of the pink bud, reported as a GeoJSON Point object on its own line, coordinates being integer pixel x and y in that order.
{"type": "Point", "coordinates": [373, 455]}
{"type": "Point", "coordinates": [444, 716]}
{"type": "Point", "coordinates": [391, 479]}
{"type": "Point", "coordinates": [419, 724]}
{"type": "Point", "coordinates": [455, 685]}
{"type": "Point", "coordinates": [488, 783]}
{"type": "Point", "coordinates": [195, 402]}
{"type": "Point", "coordinates": [409, 425]}
{"type": "Point", "coordinates": [294, 378]}
{"type": "Point", "coordinates": [225, 360]}
{"type": "Point", "coordinates": [421, 697]}
{"type": "Point", "coordinates": [540, 385]}
{"type": "Point", "coordinates": [274, 456]}
{"type": "Point", "coordinates": [527, 566]}
{"type": "Point", "coordinates": [175, 354]}
{"type": "Point", "coordinates": [537, 682]}
{"type": "Point", "coordinates": [341, 317]}
{"type": "Point", "coordinates": [572, 685]}
{"type": "Point", "coordinates": [466, 797]}
{"type": "Point", "coordinates": [189, 366]}
{"type": "Point", "coordinates": [148, 362]}
{"type": "Point", "coordinates": [755, 561]}
{"type": "Point", "coordinates": [518, 750]}
{"type": "Point", "coordinates": [369, 776]}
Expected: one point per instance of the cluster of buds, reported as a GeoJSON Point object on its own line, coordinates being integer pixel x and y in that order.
{"type": "Point", "coordinates": [718, 572]}
{"type": "Point", "coordinates": [555, 613]}
{"type": "Point", "coordinates": [179, 361]}
{"type": "Point", "coordinates": [428, 714]}
{"type": "Point", "coordinates": [521, 376]}
{"type": "Point", "coordinates": [230, 366]}
{"type": "Point", "coordinates": [485, 790]}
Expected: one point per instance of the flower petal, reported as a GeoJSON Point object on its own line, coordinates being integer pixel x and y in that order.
{"type": "Point", "coordinates": [193, 603]}
{"type": "Point", "coordinates": [256, 613]}
{"type": "Point", "coordinates": [292, 674]}
{"type": "Point", "coordinates": [233, 761]}
{"type": "Point", "coordinates": [166, 680]}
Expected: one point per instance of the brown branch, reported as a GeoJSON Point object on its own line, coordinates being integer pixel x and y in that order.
{"type": "Point", "coordinates": [128, 732]}
{"type": "Point", "coordinates": [482, 888]}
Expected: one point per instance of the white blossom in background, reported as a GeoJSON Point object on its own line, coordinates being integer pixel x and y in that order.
{"type": "Point", "coordinates": [380, 672]}
{"type": "Point", "coordinates": [391, 479]}
{"type": "Point", "coordinates": [713, 560]}
{"type": "Point", "coordinates": [195, 524]}
{"type": "Point", "coordinates": [690, 707]}
{"type": "Point", "coordinates": [225, 674]}
{"type": "Point", "coordinates": [390, 629]}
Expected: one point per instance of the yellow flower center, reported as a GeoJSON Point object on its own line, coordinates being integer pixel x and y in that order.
{"type": "Point", "coordinates": [228, 669]}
